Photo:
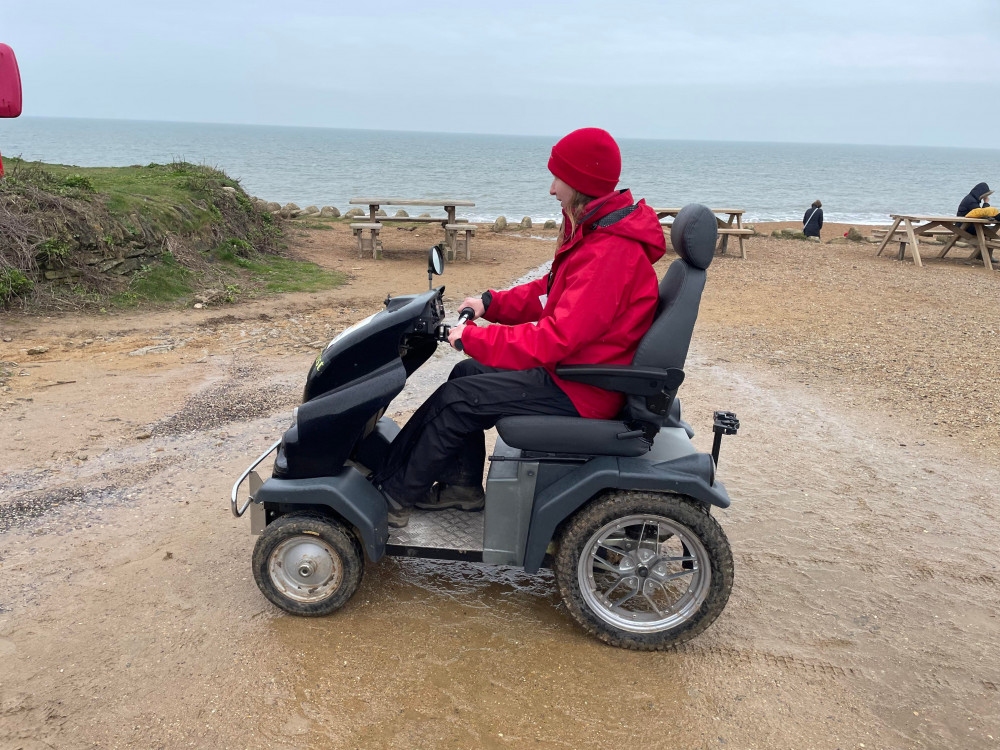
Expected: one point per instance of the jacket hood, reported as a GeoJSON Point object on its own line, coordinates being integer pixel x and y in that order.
{"type": "Point", "coordinates": [980, 190]}
{"type": "Point", "coordinates": [609, 214]}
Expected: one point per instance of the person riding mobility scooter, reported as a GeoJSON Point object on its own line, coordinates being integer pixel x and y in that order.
{"type": "Point", "coordinates": [619, 508]}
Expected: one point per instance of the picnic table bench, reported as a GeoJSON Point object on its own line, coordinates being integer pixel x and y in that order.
{"type": "Point", "coordinates": [730, 227]}
{"type": "Point", "coordinates": [914, 227]}
{"type": "Point", "coordinates": [879, 233]}
{"type": "Point", "coordinates": [456, 231]}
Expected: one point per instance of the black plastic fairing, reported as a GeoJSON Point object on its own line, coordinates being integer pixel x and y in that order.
{"type": "Point", "coordinates": [377, 342]}
{"type": "Point", "coordinates": [330, 425]}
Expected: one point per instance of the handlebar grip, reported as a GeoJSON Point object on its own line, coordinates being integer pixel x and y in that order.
{"type": "Point", "coordinates": [464, 315]}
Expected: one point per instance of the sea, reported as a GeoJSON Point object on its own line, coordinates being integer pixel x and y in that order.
{"type": "Point", "coordinates": [507, 175]}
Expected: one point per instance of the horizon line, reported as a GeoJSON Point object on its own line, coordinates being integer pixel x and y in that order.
{"type": "Point", "coordinates": [503, 135]}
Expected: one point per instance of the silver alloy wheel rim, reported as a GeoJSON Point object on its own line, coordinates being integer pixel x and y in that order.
{"type": "Point", "coordinates": [632, 573]}
{"type": "Point", "coordinates": [305, 569]}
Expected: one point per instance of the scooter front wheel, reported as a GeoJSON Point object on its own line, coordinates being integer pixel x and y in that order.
{"type": "Point", "coordinates": [307, 564]}
{"type": "Point", "coordinates": [644, 571]}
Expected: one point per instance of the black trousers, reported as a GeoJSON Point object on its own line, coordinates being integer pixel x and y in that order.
{"type": "Point", "coordinates": [444, 441]}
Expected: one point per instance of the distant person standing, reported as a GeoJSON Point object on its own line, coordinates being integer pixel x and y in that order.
{"type": "Point", "coordinates": [812, 220]}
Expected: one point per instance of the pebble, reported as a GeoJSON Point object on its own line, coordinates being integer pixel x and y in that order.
{"type": "Point", "coordinates": [155, 349]}
{"type": "Point", "coordinates": [38, 350]}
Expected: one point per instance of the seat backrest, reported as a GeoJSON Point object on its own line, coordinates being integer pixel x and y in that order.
{"type": "Point", "coordinates": [693, 236]}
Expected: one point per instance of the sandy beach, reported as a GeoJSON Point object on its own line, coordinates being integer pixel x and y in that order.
{"type": "Point", "coordinates": [864, 526]}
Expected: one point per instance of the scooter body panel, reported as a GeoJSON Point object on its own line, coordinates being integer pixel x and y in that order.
{"type": "Point", "coordinates": [371, 343]}
{"type": "Point", "coordinates": [353, 380]}
{"type": "Point", "coordinates": [691, 475]}
{"type": "Point", "coordinates": [510, 495]}
{"type": "Point", "coordinates": [329, 426]}
{"type": "Point", "coordinates": [348, 494]}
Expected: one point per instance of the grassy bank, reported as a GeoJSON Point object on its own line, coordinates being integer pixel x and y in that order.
{"type": "Point", "coordinates": [170, 234]}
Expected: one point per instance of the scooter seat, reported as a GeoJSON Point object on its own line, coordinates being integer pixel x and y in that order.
{"type": "Point", "coordinates": [572, 435]}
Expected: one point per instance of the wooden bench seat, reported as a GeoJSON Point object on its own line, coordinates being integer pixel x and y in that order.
{"type": "Point", "coordinates": [725, 232]}
{"type": "Point", "coordinates": [739, 232]}
{"type": "Point", "coordinates": [954, 240]}
{"type": "Point", "coordinates": [879, 233]}
{"type": "Point", "coordinates": [366, 233]}
{"type": "Point", "coordinates": [456, 239]}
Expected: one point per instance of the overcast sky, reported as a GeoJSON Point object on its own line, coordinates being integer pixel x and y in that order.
{"type": "Point", "coordinates": [917, 72]}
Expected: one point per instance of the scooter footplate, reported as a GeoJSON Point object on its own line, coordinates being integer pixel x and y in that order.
{"type": "Point", "coordinates": [441, 529]}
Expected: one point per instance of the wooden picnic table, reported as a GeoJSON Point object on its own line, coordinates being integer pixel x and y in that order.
{"type": "Point", "coordinates": [923, 226]}
{"type": "Point", "coordinates": [731, 226]}
{"type": "Point", "coordinates": [449, 204]}
{"type": "Point", "coordinates": [456, 231]}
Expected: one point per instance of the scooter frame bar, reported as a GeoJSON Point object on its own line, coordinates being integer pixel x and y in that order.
{"type": "Point", "coordinates": [234, 504]}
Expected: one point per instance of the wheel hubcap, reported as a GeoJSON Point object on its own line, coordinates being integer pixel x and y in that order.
{"type": "Point", "coordinates": [644, 573]}
{"type": "Point", "coordinates": [305, 568]}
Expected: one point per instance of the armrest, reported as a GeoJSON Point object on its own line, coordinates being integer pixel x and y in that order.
{"type": "Point", "coordinates": [635, 381]}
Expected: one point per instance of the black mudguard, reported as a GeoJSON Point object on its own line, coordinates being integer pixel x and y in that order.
{"type": "Point", "coordinates": [690, 475]}
{"type": "Point", "coordinates": [349, 495]}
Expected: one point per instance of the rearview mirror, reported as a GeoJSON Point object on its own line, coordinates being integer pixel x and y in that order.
{"type": "Point", "coordinates": [435, 261]}
{"type": "Point", "coordinates": [435, 265]}
{"type": "Point", "coordinates": [10, 83]}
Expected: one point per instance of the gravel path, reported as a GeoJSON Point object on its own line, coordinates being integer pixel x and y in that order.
{"type": "Point", "coordinates": [864, 529]}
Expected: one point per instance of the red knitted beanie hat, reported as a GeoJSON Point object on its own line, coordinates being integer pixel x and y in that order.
{"type": "Point", "coordinates": [588, 160]}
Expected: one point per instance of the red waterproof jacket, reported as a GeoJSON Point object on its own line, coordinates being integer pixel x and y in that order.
{"type": "Point", "coordinates": [601, 298]}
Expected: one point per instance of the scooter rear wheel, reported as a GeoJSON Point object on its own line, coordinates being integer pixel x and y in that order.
{"type": "Point", "coordinates": [307, 564]}
{"type": "Point", "coordinates": [644, 571]}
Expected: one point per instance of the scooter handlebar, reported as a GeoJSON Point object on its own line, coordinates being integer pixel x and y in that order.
{"type": "Point", "coordinates": [464, 315]}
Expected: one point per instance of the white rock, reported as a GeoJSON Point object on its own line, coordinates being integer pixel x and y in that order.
{"type": "Point", "coordinates": [157, 349]}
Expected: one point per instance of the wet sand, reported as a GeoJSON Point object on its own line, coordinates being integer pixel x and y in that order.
{"type": "Point", "coordinates": [865, 605]}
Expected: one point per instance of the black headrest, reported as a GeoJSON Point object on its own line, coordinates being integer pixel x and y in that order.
{"type": "Point", "coordinates": [694, 233]}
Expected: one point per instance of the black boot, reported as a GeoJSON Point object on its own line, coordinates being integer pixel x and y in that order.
{"type": "Point", "coordinates": [463, 497]}
{"type": "Point", "coordinates": [397, 515]}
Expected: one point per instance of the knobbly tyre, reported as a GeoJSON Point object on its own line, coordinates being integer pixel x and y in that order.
{"type": "Point", "coordinates": [620, 509]}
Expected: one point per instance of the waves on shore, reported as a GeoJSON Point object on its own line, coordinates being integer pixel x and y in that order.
{"type": "Point", "coordinates": [507, 175]}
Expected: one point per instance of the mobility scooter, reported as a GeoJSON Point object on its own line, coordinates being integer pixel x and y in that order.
{"type": "Point", "coordinates": [619, 508]}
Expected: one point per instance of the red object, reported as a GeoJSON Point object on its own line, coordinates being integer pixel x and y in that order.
{"type": "Point", "coordinates": [10, 83]}
{"type": "Point", "coordinates": [10, 87]}
{"type": "Point", "coordinates": [588, 160]}
{"type": "Point", "coordinates": [602, 300]}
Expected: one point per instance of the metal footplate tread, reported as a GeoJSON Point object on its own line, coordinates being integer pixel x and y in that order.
{"type": "Point", "coordinates": [439, 534]}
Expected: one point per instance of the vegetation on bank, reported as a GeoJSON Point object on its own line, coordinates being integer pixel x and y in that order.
{"type": "Point", "coordinates": [73, 237]}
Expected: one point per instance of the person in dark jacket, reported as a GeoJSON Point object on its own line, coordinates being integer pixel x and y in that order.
{"type": "Point", "coordinates": [593, 308]}
{"type": "Point", "coordinates": [812, 220]}
{"type": "Point", "coordinates": [977, 198]}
